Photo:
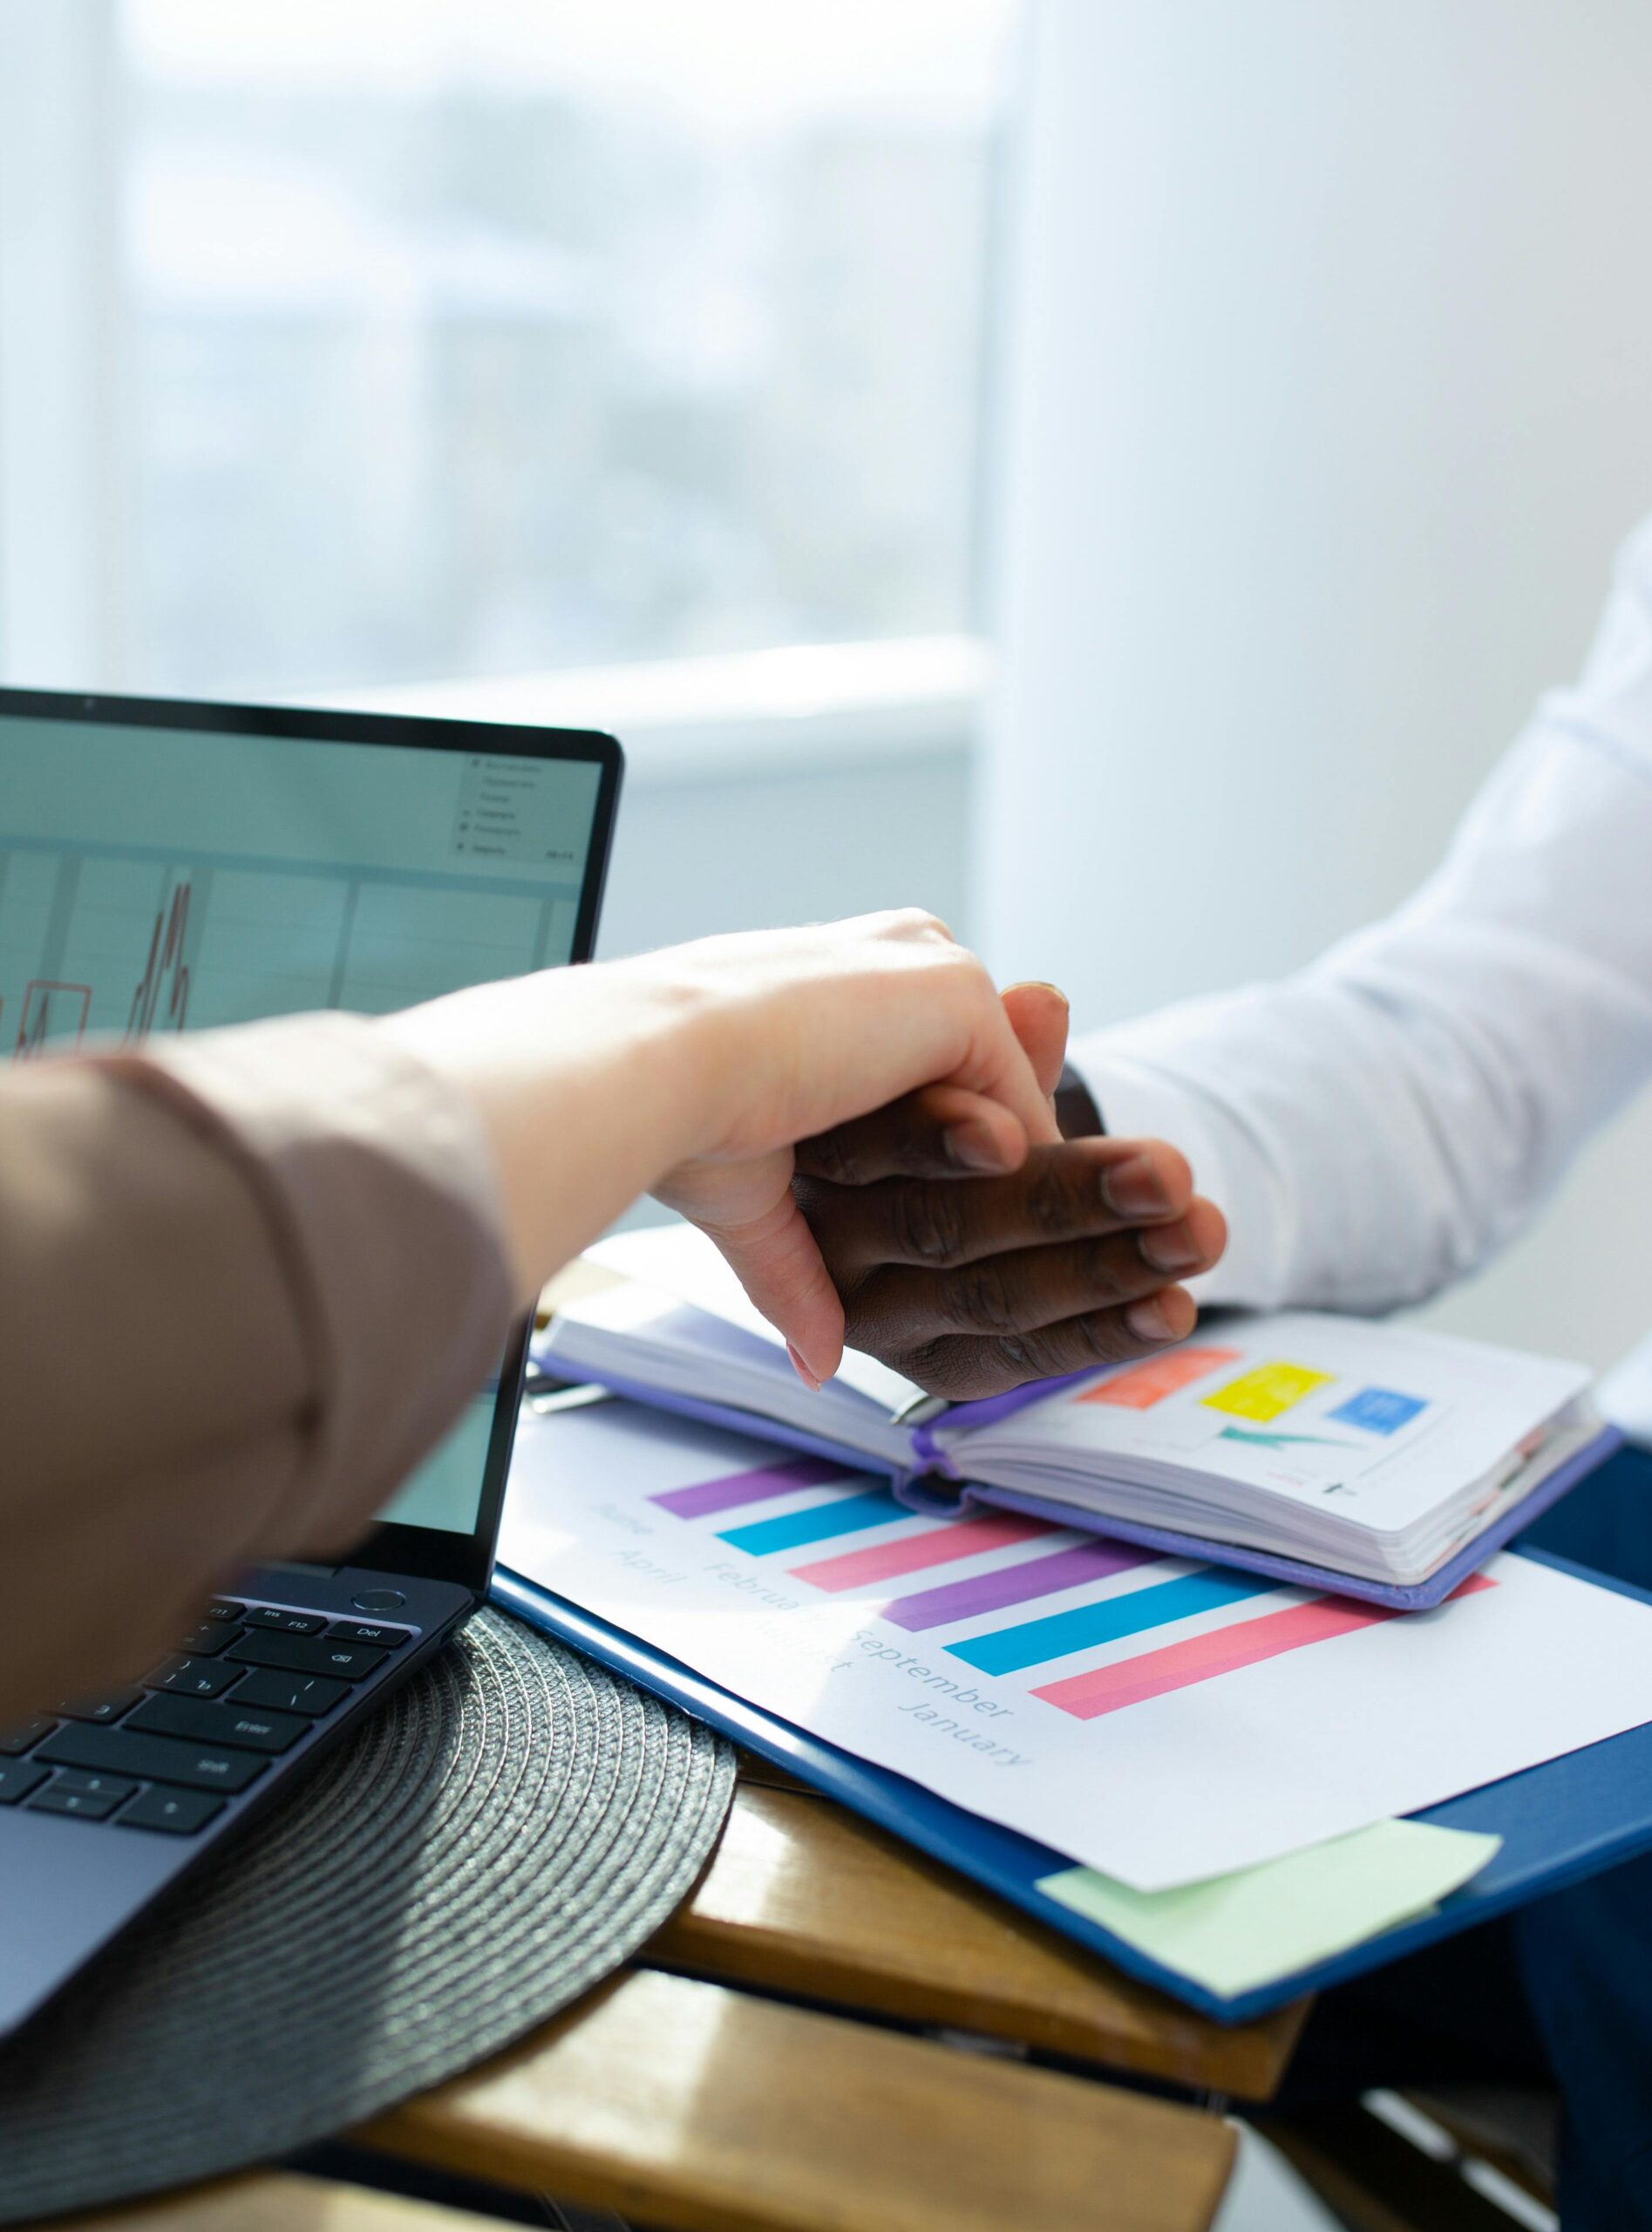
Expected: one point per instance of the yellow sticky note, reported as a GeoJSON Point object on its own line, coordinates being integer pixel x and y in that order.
{"type": "Point", "coordinates": [1235, 1932]}
{"type": "Point", "coordinates": [1267, 1392]}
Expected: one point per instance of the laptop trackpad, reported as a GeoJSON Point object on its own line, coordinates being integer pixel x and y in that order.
{"type": "Point", "coordinates": [66, 1892]}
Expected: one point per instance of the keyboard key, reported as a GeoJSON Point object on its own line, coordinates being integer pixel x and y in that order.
{"type": "Point", "coordinates": [113, 1787]}
{"type": "Point", "coordinates": [224, 1607]}
{"type": "Point", "coordinates": [286, 1624]}
{"type": "Point", "coordinates": [343, 1662]}
{"type": "Point", "coordinates": [182, 1811]}
{"type": "Point", "coordinates": [91, 1796]}
{"type": "Point", "coordinates": [246, 1727]}
{"type": "Point", "coordinates": [194, 1677]}
{"type": "Point", "coordinates": [367, 1631]}
{"type": "Point", "coordinates": [18, 1779]}
{"type": "Point", "coordinates": [208, 1640]}
{"type": "Point", "coordinates": [277, 1693]}
{"type": "Point", "coordinates": [151, 1759]}
{"type": "Point", "coordinates": [108, 1707]}
{"type": "Point", "coordinates": [30, 1732]}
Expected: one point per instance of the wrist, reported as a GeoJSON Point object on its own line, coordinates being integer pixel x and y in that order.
{"type": "Point", "coordinates": [589, 1083]}
{"type": "Point", "coordinates": [682, 1036]}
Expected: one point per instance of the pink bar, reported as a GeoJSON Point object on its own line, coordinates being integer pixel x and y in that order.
{"type": "Point", "coordinates": [914, 1552]}
{"type": "Point", "coordinates": [1222, 1651]}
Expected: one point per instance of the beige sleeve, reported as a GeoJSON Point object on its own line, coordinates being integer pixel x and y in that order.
{"type": "Point", "coordinates": [245, 1283]}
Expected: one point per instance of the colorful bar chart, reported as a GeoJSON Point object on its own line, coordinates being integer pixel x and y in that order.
{"type": "Point", "coordinates": [821, 1522]}
{"type": "Point", "coordinates": [761, 1485]}
{"type": "Point", "coordinates": [964, 1538]}
{"type": "Point", "coordinates": [1221, 1652]}
{"type": "Point", "coordinates": [1017, 1584]}
{"type": "Point", "coordinates": [1007, 1650]}
{"type": "Point", "coordinates": [1009, 1572]}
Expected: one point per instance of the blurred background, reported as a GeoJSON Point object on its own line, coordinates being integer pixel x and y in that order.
{"type": "Point", "coordinates": [1117, 474]}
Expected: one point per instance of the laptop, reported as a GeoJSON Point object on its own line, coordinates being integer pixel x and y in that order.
{"type": "Point", "coordinates": [169, 867]}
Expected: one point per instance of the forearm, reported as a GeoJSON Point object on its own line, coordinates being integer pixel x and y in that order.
{"type": "Point", "coordinates": [590, 1083]}
{"type": "Point", "coordinates": [244, 1286]}
{"type": "Point", "coordinates": [286, 1254]}
{"type": "Point", "coordinates": [1333, 1183]}
{"type": "Point", "coordinates": [1382, 1123]}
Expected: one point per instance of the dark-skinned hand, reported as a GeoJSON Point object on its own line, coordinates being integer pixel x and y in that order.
{"type": "Point", "coordinates": [971, 1262]}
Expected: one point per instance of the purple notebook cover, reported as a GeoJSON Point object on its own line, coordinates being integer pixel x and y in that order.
{"type": "Point", "coordinates": [942, 1496]}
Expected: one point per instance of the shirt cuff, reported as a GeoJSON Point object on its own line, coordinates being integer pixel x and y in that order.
{"type": "Point", "coordinates": [1141, 1102]}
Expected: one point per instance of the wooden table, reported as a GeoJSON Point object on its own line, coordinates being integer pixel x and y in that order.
{"type": "Point", "coordinates": [833, 2035]}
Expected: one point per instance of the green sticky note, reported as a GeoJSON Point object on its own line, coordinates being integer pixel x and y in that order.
{"type": "Point", "coordinates": [1235, 1932]}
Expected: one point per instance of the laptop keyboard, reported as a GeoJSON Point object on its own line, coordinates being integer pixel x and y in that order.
{"type": "Point", "coordinates": [241, 1689]}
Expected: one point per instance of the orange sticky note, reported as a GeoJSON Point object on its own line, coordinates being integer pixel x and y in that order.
{"type": "Point", "coordinates": [1149, 1382]}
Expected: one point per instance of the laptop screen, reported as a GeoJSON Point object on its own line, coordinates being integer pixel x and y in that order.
{"type": "Point", "coordinates": [165, 867]}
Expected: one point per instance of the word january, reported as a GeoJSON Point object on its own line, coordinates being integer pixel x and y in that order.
{"type": "Point", "coordinates": [943, 1724]}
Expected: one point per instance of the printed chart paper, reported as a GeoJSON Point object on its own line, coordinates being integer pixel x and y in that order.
{"type": "Point", "coordinates": [1156, 1720]}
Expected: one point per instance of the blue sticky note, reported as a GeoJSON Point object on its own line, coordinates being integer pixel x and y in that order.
{"type": "Point", "coordinates": [1379, 1410]}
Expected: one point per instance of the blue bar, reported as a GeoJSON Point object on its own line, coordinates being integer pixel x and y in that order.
{"type": "Point", "coordinates": [846, 1515]}
{"type": "Point", "coordinates": [1006, 1650]}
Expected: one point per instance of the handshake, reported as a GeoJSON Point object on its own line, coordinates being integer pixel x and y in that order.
{"type": "Point", "coordinates": [945, 1226]}
{"type": "Point", "coordinates": [971, 1265]}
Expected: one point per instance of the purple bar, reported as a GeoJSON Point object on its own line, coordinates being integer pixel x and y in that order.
{"type": "Point", "coordinates": [1019, 1584]}
{"type": "Point", "coordinates": [733, 1489]}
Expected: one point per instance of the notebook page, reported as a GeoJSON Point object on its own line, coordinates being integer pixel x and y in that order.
{"type": "Point", "coordinates": [1379, 1423]}
{"type": "Point", "coordinates": [681, 1261]}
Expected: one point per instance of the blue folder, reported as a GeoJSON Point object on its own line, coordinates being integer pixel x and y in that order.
{"type": "Point", "coordinates": [1558, 1823]}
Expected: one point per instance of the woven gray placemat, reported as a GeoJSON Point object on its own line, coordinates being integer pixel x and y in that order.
{"type": "Point", "coordinates": [505, 1831]}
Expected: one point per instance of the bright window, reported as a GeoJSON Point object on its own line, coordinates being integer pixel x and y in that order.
{"type": "Point", "coordinates": [471, 335]}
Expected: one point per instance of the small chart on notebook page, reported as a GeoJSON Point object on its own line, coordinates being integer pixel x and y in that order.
{"type": "Point", "coordinates": [1024, 1669]}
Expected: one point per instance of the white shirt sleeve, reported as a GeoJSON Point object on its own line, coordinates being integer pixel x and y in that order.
{"type": "Point", "coordinates": [1380, 1123]}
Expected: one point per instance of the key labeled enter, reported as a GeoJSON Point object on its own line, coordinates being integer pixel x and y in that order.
{"type": "Point", "coordinates": [244, 1727]}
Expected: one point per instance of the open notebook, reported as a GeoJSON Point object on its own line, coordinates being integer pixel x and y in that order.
{"type": "Point", "coordinates": [1371, 1459]}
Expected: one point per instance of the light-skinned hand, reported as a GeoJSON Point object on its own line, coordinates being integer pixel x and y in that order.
{"type": "Point", "coordinates": [691, 1073]}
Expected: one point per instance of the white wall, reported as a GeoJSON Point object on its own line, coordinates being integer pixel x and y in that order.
{"type": "Point", "coordinates": [1329, 391]}
{"type": "Point", "coordinates": [792, 843]}
{"type": "Point", "coordinates": [802, 841]}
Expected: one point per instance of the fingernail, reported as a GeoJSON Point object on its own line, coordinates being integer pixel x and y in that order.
{"type": "Point", "coordinates": [1168, 1248]}
{"type": "Point", "coordinates": [1147, 1321]}
{"type": "Point", "coordinates": [1132, 1188]}
{"type": "Point", "coordinates": [802, 1369]}
{"type": "Point", "coordinates": [972, 1147]}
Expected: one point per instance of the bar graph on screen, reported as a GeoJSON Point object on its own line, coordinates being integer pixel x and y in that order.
{"type": "Point", "coordinates": [125, 943]}
{"type": "Point", "coordinates": [163, 989]}
{"type": "Point", "coordinates": [1074, 1623]}
{"type": "Point", "coordinates": [51, 1010]}
{"type": "Point", "coordinates": [58, 1014]}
